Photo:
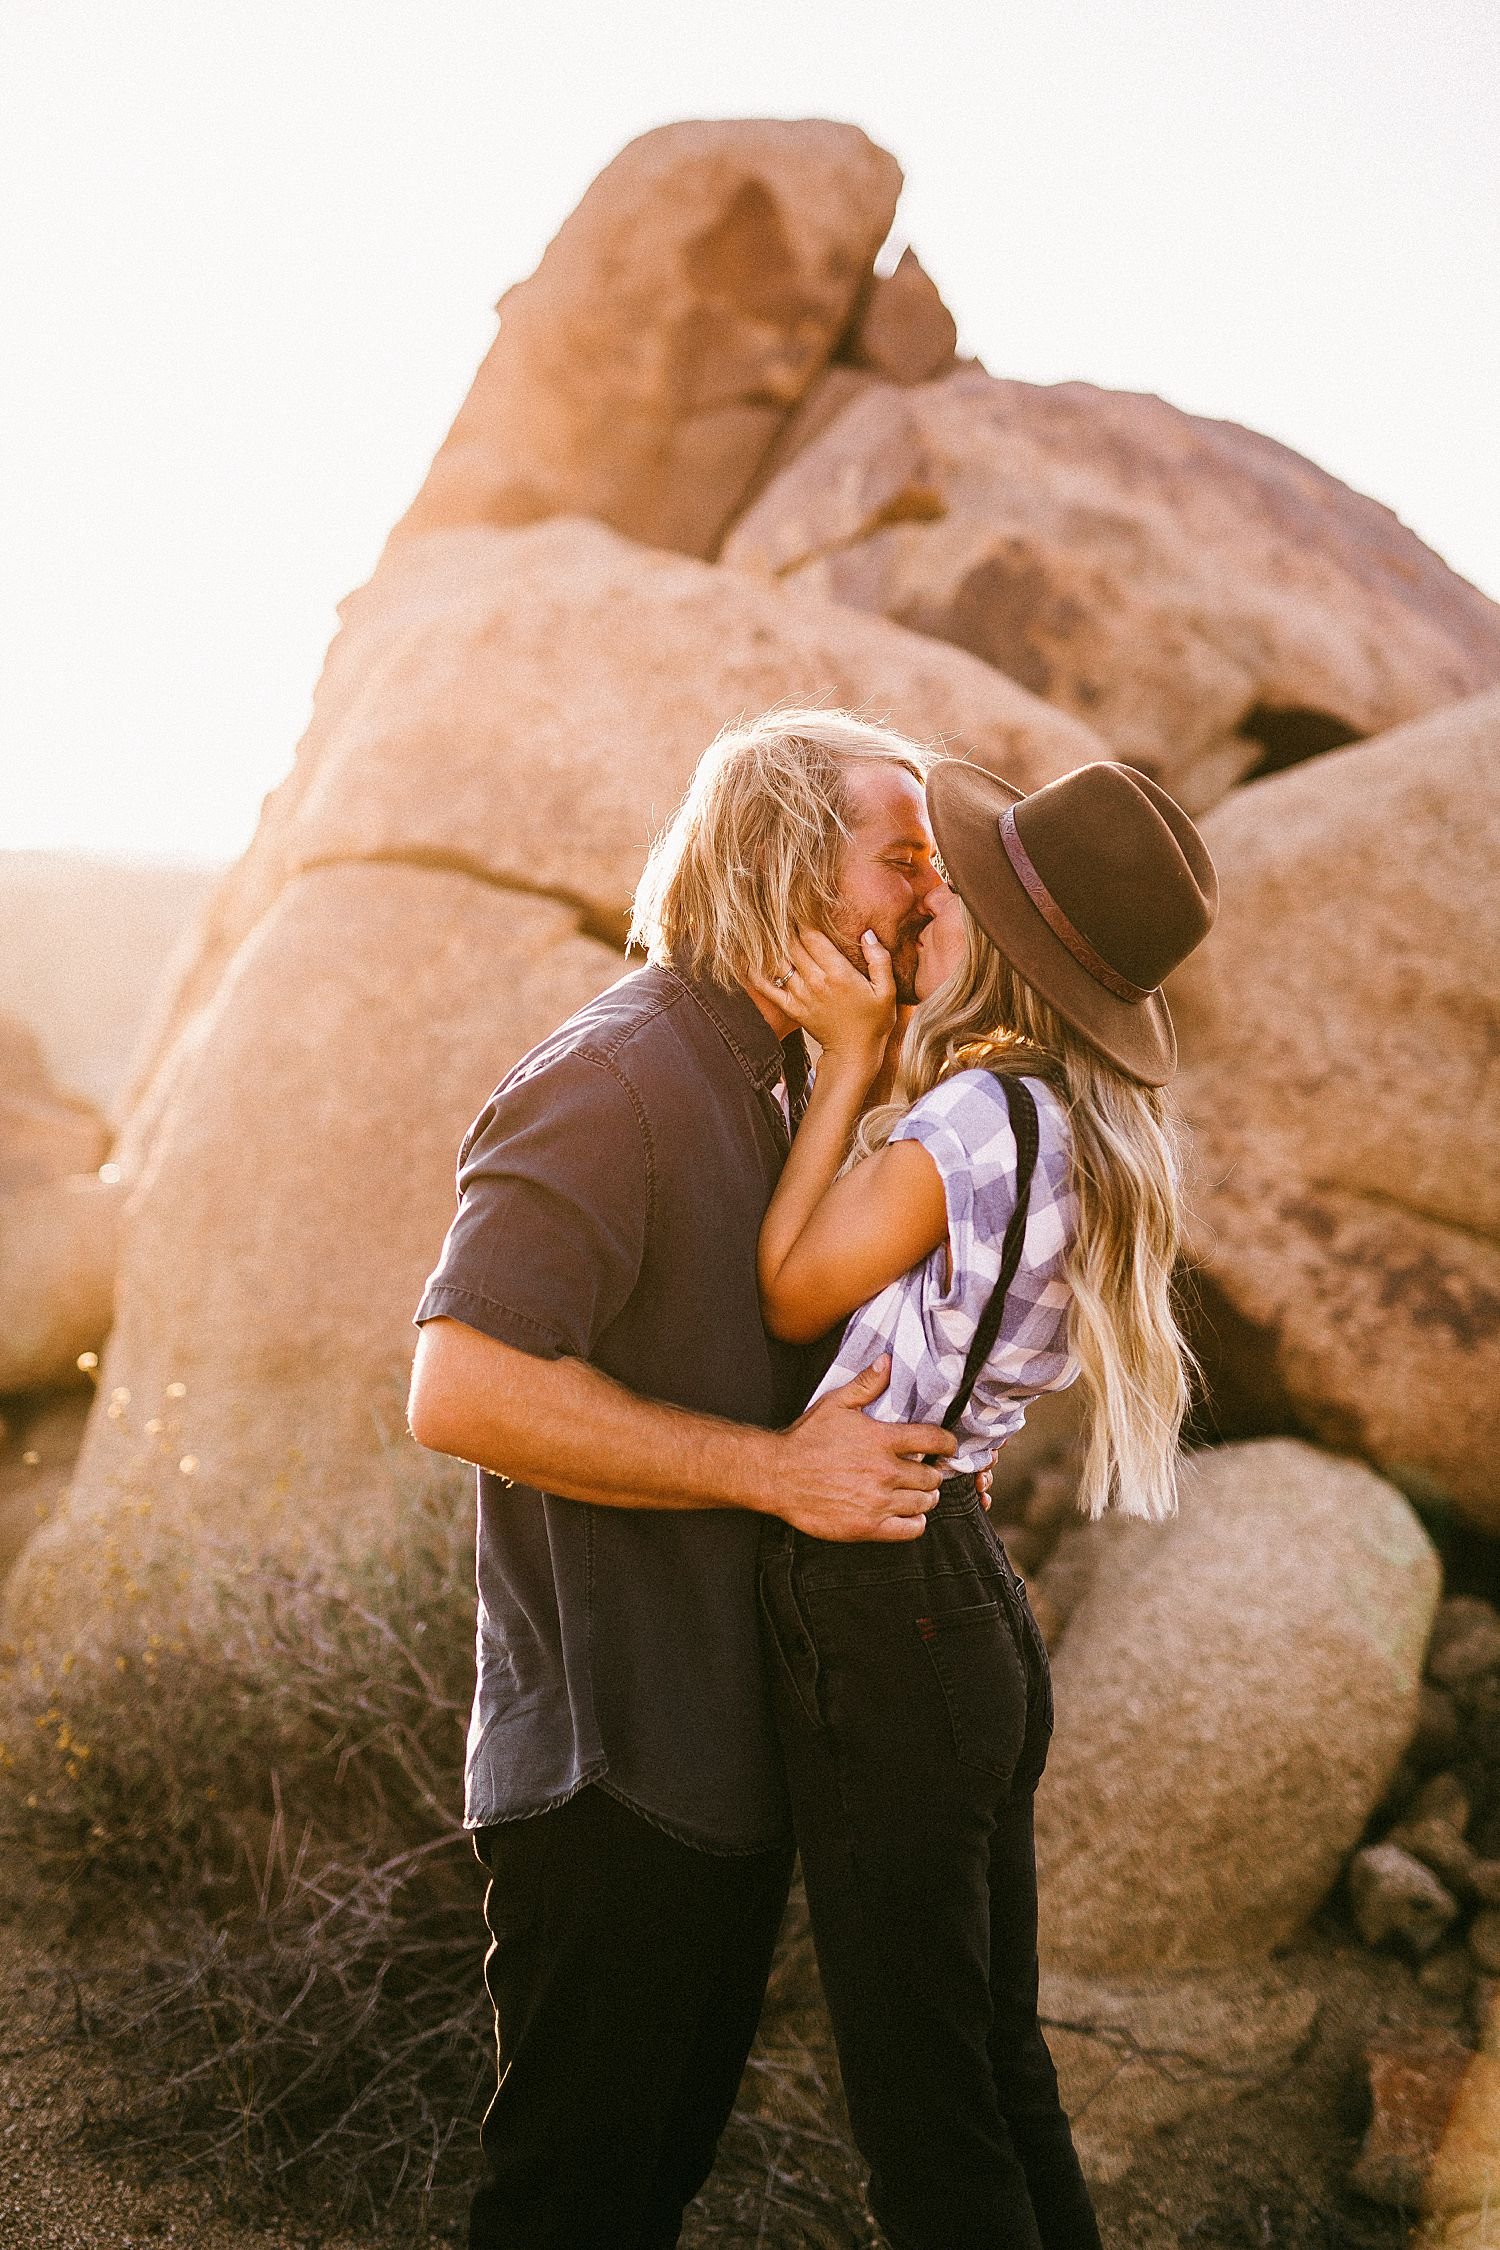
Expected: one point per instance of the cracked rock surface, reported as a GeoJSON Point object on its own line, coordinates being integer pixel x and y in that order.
{"type": "Point", "coordinates": [677, 317]}
{"type": "Point", "coordinates": [297, 1193]}
{"type": "Point", "coordinates": [504, 720]}
{"type": "Point", "coordinates": [1213, 603]}
{"type": "Point", "coordinates": [1338, 1033]}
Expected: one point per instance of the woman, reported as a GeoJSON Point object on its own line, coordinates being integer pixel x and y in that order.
{"type": "Point", "coordinates": [1005, 1225]}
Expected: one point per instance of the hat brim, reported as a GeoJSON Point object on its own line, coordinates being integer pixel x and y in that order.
{"type": "Point", "coordinates": [964, 804]}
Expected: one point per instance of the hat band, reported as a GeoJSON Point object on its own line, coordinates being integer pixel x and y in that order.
{"type": "Point", "coordinates": [1056, 921]}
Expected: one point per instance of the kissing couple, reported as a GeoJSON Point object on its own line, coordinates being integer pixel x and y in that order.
{"type": "Point", "coordinates": [732, 1343]}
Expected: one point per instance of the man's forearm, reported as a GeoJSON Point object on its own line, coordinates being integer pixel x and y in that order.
{"type": "Point", "coordinates": [560, 1425]}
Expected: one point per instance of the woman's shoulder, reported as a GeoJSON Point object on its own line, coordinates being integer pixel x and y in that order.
{"type": "Point", "coordinates": [977, 1096]}
{"type": "Point", "coordinates": [968, 1112]}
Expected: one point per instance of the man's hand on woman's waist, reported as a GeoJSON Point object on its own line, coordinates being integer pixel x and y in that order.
{"type": "Point", "coordinates": [560, 1426]}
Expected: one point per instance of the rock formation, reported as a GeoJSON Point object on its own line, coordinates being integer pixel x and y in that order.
{"type": "Point", "coordinates": [58, 1248]}
{"type": "Point", "coordinates": [1232, 1695]}
{"type": "Point", "coordinates": [302, 1175]}
{"type": "Point", "coordinates": [507, 717]}
{"type": "Point", "coordinates": [44, 1133]}
{"type": "Point", "coordinates": [88, 945]}
{"type": "Point", "coordinates": [1339, 1031]}
{"type": "Point", "coordinates": [58, 1222]}
{"type": "Point", "coordinates": [527, 706]}
{"type": "Point", "coordinates": [643, 370]}
{"type": "Point", "coordinates": [1460, 2191]}
{"type": "Point", "coordinates": [1213, 604]}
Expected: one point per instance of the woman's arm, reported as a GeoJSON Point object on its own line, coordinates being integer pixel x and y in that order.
{"type": "Point", "coordinates": [880, 1219]}
{"type": "Point", "coordinates": [828, 1243]}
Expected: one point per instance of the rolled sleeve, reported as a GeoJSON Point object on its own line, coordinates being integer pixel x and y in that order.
{"type": "Point", "coordinates": [554, 1191]}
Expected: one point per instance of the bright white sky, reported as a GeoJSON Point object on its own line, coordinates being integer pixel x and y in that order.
{"type": "Point", "coordinates": [252, 247]}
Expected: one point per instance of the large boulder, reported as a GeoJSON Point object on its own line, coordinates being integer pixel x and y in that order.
{"type": "Point", "coordinates": [1213, 604]}
{"type": "Point", "coordinates": [251, 1395]}
{"type": "Point", "coordinates": [644, 369]}
{"type": "Point", "coordinates": [527, 706]}
{"type": "Point", "coordinates": [506, 718]}
{"type": "Point", "coordinates": [1338, 1032]}
{"type": "Point", "coordinates": [1232, 1694]}
{"type": "Point", "coordinates": [1133, 2058]}
{"type": "Point", "coordinates": [57, 1221]}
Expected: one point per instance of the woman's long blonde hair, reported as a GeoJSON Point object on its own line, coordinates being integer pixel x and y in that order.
{"type": "Point", "coordinates": [1129, 1148]}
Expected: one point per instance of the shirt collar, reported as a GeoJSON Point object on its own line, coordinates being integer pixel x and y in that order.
{"type": "Point", "coordinates": [739, 1023]}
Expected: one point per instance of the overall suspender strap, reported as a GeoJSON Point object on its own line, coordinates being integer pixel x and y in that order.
{"type": "Point", "coordinates": [1023, 1120]}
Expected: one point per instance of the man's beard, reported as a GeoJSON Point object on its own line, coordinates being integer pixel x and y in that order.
{"type": "Point", "coordinates": [903, 957]}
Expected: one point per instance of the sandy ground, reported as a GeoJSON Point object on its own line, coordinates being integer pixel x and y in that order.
{"type": "Point", "coordinates": [1270, 2167]}
{"type": "Point", "coordinates": [53, 2196]}
{"type": "Point", "coordinates": [1265, 2168]}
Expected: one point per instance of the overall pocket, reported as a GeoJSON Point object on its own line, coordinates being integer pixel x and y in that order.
{"type": "Point", "coordinates": [1039, 1650]}
{"type": "Point", "coordinates": [983, 1678]}
{"type": "Point", "coordinates": [1013, 1589]}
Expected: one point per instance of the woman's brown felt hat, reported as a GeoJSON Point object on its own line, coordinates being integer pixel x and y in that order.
{"type": "Point", "coordinates": [1094, 887]}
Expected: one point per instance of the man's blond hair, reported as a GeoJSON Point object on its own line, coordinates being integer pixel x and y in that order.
{"type": "Point", "coordinates": [753, 850]}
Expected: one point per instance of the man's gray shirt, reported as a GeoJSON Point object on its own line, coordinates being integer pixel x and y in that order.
{"type": "Point", "coordinates": [610, 1196]}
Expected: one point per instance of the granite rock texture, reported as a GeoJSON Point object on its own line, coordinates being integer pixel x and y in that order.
{"type": "Point", "coordinates": [1211, 602]}
{"type": "Point", "coordinates": [1232, 1693]}
{"type": "Point", "coordinates": [1339, 1032]}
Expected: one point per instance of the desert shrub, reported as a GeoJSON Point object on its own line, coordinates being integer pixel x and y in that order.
{"type": "Point", "coordinates": [253, 1829]}
{"type": "Point", "coordinates": [325, 1702]}
{"type": "Point", "coordinates": [257, 1825]}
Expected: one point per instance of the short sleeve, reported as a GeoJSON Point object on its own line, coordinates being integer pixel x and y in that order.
{"type": "Point", "coordinates": [945, 1123]}
{"type": "Point", "coordinates": [553, 1211]}
{"type": "Point", "coordinates": [963, 1123]}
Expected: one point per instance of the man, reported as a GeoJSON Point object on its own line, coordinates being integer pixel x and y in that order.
{"type": "Point", "coordinates": [592, 1339]}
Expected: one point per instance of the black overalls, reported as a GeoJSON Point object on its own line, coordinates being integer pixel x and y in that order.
{"type": "Point", "coordinates": [914, 1702]}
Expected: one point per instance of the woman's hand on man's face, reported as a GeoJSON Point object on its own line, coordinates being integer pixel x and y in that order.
{"type": "Point", "coordinates": [849, 1012]}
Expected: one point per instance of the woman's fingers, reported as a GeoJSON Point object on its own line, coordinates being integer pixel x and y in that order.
{"type": "Point", "coordinates": [798, 981]}
{"type": "Point", "coordinates": [861, 994]}
{"type": "Point", "coordinates": [822, 965]}
{"type": "Point", "coordinates": [819, 947]}
{"type": "Point", "coordinates": [788, 994]}
{"type": "Point", "coordinates": [841, 1004]}
{"type": "Point", "coordinates": [762, 987]}
{"type": "Point", "coordinates": [878, 965]}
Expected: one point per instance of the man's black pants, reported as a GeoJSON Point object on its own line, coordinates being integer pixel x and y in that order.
{"type": "Point", "coordinates": [627, 1972]}
{"type": "Point", "coordinates": [914, 1701]}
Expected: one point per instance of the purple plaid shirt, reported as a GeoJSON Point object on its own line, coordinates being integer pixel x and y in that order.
{"type": "Point", "coordinates": [928, 1324]}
